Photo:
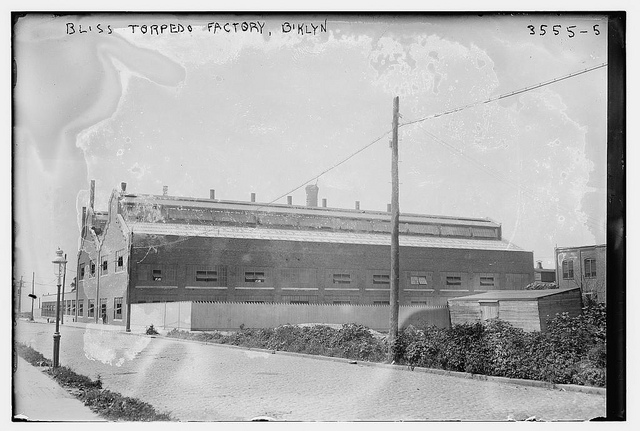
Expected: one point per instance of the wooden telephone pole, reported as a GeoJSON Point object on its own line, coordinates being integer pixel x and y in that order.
{"type": "Point", "coordinates": [395, 243]}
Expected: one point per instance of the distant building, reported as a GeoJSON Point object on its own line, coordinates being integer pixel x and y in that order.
{"type": "Point", "coordinates": [162, 248]}
{"type": "Point", "coordinates": [544, 275]}
{"type": "Point", "coordinates": [584, 267]}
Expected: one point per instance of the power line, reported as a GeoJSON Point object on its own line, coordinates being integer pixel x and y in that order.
{"type": "Point", "coordinates": [327, 170]}
{"type": "Point", "coordinates": [451, 111]}
{"type": "Point", "coordinates": [335, 165]}
{"type": "Point", "coordinates": [504, 95]}
{"type": "Point", "coordinates": [593, 222]}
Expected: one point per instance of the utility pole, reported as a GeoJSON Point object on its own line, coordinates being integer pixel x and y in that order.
{"type": "Point", "coordinates": [33, 295]}
{"type": "Point", "coordinates": [395, 228]}
{"type": "Point", "coordinates": [20, 297]}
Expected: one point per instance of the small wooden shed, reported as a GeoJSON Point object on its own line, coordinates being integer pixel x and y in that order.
{"type": "Point", "coordinates": [526, 309]}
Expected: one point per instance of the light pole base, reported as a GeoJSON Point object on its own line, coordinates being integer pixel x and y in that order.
{"type": "Point", "coordinates": [56, 349]}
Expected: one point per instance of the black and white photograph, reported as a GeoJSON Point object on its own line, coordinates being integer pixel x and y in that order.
{"type": "Point", "coordinates": [244, 216]}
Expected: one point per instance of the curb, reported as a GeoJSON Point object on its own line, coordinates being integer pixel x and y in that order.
{"type": "Point", "coordinates": [497, 379]}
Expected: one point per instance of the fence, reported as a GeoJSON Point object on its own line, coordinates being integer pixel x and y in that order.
{"type": "Point", "coordinates": [205, 316]}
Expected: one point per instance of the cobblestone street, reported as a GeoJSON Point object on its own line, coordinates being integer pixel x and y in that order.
{"type": "Point", "coordinates": [198, 382]}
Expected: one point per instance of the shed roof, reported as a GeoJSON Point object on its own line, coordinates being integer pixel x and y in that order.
{"type": "Point", "coordinates": [512, 295]}
{"type": "Point", "coordinates": [186, 230]}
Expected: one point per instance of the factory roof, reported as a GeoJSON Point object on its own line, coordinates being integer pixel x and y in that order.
{"type": "Point", "coordinates": [189, 230]}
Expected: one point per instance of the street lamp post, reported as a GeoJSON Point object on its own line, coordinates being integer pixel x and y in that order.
{"type": "Point", "coordinates": [59, 261]}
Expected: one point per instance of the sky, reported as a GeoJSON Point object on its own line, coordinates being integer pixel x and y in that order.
{"type": "Point", "coordinates": [196, 107]}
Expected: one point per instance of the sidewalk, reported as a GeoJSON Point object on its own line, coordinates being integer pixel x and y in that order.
{"type": "Point", "coordinates": [37, 397]}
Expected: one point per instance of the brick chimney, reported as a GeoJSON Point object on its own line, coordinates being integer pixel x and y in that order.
{"type": "Point", "coordinates": [539, 264]}
{"type": "Point", "coordinates": [357, 205]}
{"type": "Point", "coordinates": [324, 202]}
{"type": "Point", "coordinates": [123, 187]}
{"type": "Point", "coordinates": [212, 194]}
{"type": "Point", "coordinates": [165, 190]}
{"type": "Point", "coordinates": [92, 193]}
{"type": "Point", "coordinates": [253, 197]}
{"type": "Point", "coordinates": [312, 195]}
{"type": "Point", "coordinates": [289, 200]}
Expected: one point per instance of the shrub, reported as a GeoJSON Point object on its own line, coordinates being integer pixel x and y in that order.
{"type": "Point", "coordinates": [572, 350]}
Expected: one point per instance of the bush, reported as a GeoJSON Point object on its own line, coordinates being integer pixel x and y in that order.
{"type": "Point", "coordinates": [352, 341]}
{"type": "Point", "coordinates": [572, 350]}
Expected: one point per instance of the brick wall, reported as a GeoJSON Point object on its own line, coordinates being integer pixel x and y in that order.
{"type": "Point", "coordinates": [298, 271]}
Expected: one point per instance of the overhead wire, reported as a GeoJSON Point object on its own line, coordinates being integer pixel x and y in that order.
{"type": "Point", "coordinates": [593, 222]}
{"type": "Point", "coordinates": [503, 96]}
{"type": "Point", "coordinates": [407, 123]}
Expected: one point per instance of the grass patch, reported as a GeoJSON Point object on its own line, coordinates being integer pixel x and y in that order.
{"type": "Point", "coordinates": [109, 405]}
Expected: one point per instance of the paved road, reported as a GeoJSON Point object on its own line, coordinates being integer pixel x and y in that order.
{"type": "Point", "coordinates": [212, 383]}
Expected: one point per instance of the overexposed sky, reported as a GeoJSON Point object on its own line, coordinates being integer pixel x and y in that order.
{"type": "Point", "coordinates": [264, 111]}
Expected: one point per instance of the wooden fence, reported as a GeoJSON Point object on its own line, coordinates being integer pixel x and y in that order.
{"type": "Point", "coordinates": [206, 316]}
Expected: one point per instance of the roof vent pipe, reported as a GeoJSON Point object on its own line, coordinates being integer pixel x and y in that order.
{"type": "Point", "coordinates": [289, 200]}
{"type": "Point", "coordinates": [253, 197]}
{"type": "Point", "coordinates": [123, 187]}
{"type": "Point", "coordinates": [212, 194]}
{"type": "Point", "coordinates": [312, 195]}
{"type": "Point", "coordinates": [165, 190]}
{"type": "Point", "coordinates": [324, 202]}
{"type": "Point", "coordinates": [388, 208]}
{"type": "Point", "coordinates": [539, 264]}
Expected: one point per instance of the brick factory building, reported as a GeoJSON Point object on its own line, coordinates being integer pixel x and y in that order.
{"type": "Point", "coordinates": [162, 248]}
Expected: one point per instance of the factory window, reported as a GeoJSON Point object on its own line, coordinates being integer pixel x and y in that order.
{"type": "Point", "coordinates": [381, 279]}
{"type": "Point", "coordinates": [105, 265]}
{"type": "Point", "coordinates": [567, 269]}
{"type": "Point", "coordinates": [81, 307]}
{"type": "Point", "coordinates": [91, 309]}
{"type": "Point", "coordinates": [119, 261]}
{"type": "Point", "coordinates": [418, 302]}
{"type": "Point", "coordinates": [117, 308]}
{"type": "Point", "coordinates": [380, 302]}
{"type": "Point", "coordinates": [92, 266]}
{"type": "Point", "coordinates": [254, 277]}
{"type": "Point", "coordinates": [589, 268]}
{"type": "Point", "coordinates": [205, 275]}
{"type": "Point", "coordinates": [254, 302]}
{"type": "Point", "coordinates": [82, 270]}
{"type": "Point", "coordinates": [341, 302]}
{"type": "Point", "coordinates": [341, 278]}
{"type": "Point", "coordinates": [419, 280]}
{"type": "Point", "coordinates": [73, 307]}
{"type": "Point", "coordinates": [298, 302]}
{"type": "Point", "coordinates": [487, 282]}
{"type": "Point", "coordinates": [156, 275]}
{"type": "Point", "coordinates": [454, 280]}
